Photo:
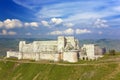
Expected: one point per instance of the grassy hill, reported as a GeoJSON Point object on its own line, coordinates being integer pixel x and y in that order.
{"type": "Point", "coordinates": [106, 68]}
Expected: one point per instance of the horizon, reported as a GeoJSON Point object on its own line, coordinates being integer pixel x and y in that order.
{"type": "Point", "coordinates": [84, 19]}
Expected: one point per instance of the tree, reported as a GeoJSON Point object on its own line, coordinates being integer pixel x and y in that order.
{"type": "Point", "coordinates": [112, 52]}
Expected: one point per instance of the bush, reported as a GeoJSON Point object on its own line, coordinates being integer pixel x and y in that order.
{"type": "Point", "coordinates": [112, 52]}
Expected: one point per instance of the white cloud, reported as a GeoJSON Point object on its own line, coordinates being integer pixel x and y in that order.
{"type": "Point", "coordinates": [26, 24]}
{"type": "Point", "coordinates": [31, 24]}
{"type": "Point", "coordinates": [82, 31]}
{"type": "Point", "coordinates": [45, 23]}
{"type": "Point", "coordinates": [68, 24]}
{"type": "Point", "coordinates": [4, 32]}
{"type": "Point", "coordinates": [100, 32]}
{"type": "Point", "coordinates": [12, 33]}
{"type": "Point", "coordinates": [9, 24]}
{"type": "Point", "coordinates": [69, 31]}
{"type": "Point", "coordinates": [56, 21]}
{"type": "Point", "coordinates": [55, 33]}
{"type": "Point", "coordinates": [28, 34]}
{"type": "Point", "coordinates": [117, 8]}
{"type": "Point", "coordinates": [34, 24]}
{"type": "Point", "coordinates": [16, 23]}
{"type": "Point", "coordinates": [99, 23]}
{"type": "Point", "coordinates": [1, 24]}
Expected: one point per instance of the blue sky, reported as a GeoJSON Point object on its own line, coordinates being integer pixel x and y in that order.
{"type": "Point", "coordinates": [84, 19]}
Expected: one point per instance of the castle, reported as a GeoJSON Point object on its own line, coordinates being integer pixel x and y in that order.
{"type": "Point", "coordinates": [64, 48]}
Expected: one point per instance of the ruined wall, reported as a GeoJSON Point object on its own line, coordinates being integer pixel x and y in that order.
{"type": "Point", "coordinates": [31, 56]}
{"type": "Point", "coordinates": [98, 50]}
{"type": "Point", "coordinates": [71, 40]}
{"type": "Point", "coordinates": [90, 51]}
{"type": "Point", "coordinates": [60, 49]}
{"type": "Point", "coordinates": [38, 50]}
{"type": "Point", "coordinates": [49, 56]}
{"type": "Point", "coordinates": [12, 54]}
{"type": "Point", "coordinates": [61, 43]}
{"type": "Point", "coordinates": [71, 56]}
{"type": "Point", "coordinates": [25, 48]}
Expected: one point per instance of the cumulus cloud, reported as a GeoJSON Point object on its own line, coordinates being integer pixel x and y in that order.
{"type": "Point", "coordinates": [31, 24]}
{"type": "Point", "coordinates": [56, 21]}
{"type": "Point", "coordinates": [45, 23]}
{"type": "Point", "coordinates": [9, 24]}
{"type": "Point", "coordinates": [56, 33]}
{"type": "Point", "coordinates": [68, 24]}
{"type": "Point", "coordinates": [82, 31]}
{"type": "Point", "coordinates": [99, 23]}
{"type": "Point", "coordinates": [4, 32]}
{"type": "Point", "coordinates": [69, 31]}
{"type": "Point", "coordinates": [28, 34]}
{"type": "Point", "coordinates": [1, 24]}
{"type": "Point", "coordinates": [35, 24]}
{"type": "Point", "coordinates": [16, 23]}
{"type": "Point", "coordinates": [12, 33]}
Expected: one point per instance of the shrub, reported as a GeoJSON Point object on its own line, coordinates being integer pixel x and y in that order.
{"type": "Point", "coordinates": [112, 52]}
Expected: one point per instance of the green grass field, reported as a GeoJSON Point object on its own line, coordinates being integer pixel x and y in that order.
{"type": "Point", "coordinates": [102, 69]}
{"type": "Point", "coordinates": [31, 71]}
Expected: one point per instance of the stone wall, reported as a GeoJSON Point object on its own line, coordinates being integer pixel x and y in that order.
{"type": "Point", "coordinates": [31, 56]}
{"type": "Point", "coordinates": [65, 48]}
{"type": "Point", "coordinates": [71, 56]}
{"type": "Point", "coordinates": [90, 51]}
{"type": "Point", "coordinates": [12, 54]}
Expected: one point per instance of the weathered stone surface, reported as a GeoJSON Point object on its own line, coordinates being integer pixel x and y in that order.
{"type": "Point", "coordinates": [65, 48]}
{"type": "Point", "coordinates": [70, 56]}
{"type": "Point", "coordinates": [90, 51]}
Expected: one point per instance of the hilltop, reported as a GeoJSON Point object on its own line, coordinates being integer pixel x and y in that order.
{"type": "Point", "coordinates": [106, 68]}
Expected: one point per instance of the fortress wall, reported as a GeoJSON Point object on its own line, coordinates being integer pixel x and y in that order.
{"type": "Point", "coordinates": [49, 56]}
{"type": "Point", "coordinates": [45, 42]}
{"type": "Point", "coordinates": [98, 50]}
{"type": "Point", "coordinates": [90, 50]}
{"type": "Point", "coordinates": [12, 54]}
{"type": "Point", "coordinates": [70, 56]}
{"type": "Point", "coordinates": [31, 56]}
{"type": "Point", "coordinates": [37, 46]}
{"type": "Point", "coordinates": [40, 48]}
{"type": "Point", "coordinates": [27, 48]}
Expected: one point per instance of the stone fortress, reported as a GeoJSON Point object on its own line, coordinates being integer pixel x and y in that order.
{"type": "Point", "coordinates": [65, 49]}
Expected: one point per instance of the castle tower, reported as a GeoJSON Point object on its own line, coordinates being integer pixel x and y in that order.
{"type": "Point", "coordinates": [61, 43]}
{"type": "Point", "coordinates": [21, 45]}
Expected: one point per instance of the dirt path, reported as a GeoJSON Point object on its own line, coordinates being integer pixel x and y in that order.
{"type": "Point", "coordinates": [113, 74]}
{"type": "Point", "coordinates": [62, 64]}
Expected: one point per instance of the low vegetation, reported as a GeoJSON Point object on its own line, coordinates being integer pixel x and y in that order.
{"type": "Point", "coordinates": [106, 68]}
{"type": "Point", "coordinates": [30, 71]}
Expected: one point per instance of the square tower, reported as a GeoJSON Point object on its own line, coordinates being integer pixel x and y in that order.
{"type": "Point", "coordinates": [61, 43]}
